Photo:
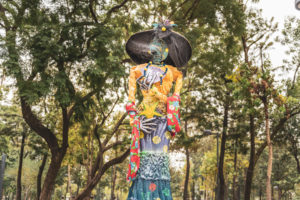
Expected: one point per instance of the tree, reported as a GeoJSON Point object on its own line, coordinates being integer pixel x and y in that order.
{"type": "Point", "coordinates": [258, 84]}
{"type": "Point", "coordinates": [60, 43]}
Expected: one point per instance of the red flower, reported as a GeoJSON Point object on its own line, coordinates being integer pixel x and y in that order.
{"type": "Point", "coordinates": [152, 187]}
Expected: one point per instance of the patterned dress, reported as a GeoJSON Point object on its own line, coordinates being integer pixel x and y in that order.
{"type": "Point", "coordinates": [152, 181]}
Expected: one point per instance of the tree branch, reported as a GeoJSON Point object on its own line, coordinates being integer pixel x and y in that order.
{"type": "Point", "coordinates": [115, 161]}
{"type": "Point", "coordinates": [3, 17]}
{"type": "Point", "coordinates": [92, 11]}
{"type": "Point", "coordinates": [295, 76]}
{"type": "Point", "coordinates": [112, 145]}
{"type": "Point", "coordinates": [113, 9]}
{"type": "Point", "coordinates": [37, 126]}
{"type": "Point", "coordinates": [84, 98]}
{"type": "Point", "coordinates": [275, 130]}
{"type": "Point", "coordinates": [119, 123]}
{"type": "Point", "coordinates": [174, 10]}
{"type": "Point", "coordinates": [101, 171]}
{"type": "Point", "coordinates": [66, 122]}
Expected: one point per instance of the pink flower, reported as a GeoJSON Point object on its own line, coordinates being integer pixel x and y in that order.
{"type": "Point", "coordinates": [171, 107]}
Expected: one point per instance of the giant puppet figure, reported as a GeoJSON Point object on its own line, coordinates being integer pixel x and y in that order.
{"type": "Point", "coordinates": [159, 54]}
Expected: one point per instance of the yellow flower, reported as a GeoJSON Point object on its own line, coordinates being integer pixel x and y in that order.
{"type": "Point", "coordinates": [141, 135]}
{"type": "Point", "coordinates": [282, 98]}
{"type": "Point", "coordinates": [168, 135]}
{"type": "Point", "coordinates": [156, 139]}
{"type": "Point", "coordinates": [163, 28]}
{"type": "Point", "coordinates": [155, 90]}
{"type": "Point", "coordinates": [165, 148]}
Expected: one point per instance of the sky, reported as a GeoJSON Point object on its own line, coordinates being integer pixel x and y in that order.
{"type": "Point", "coordinates": [280, 10]}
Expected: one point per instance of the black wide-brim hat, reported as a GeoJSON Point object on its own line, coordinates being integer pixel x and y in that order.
{"type": "Point", "coordinates": [180, 50]}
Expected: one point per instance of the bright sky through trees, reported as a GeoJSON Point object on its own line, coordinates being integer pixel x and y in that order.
{"type": "Point", "coordinates": [280, 10]}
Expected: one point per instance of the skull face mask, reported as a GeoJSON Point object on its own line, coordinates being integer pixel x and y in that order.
{"type": "Point", "coordinates": [158, 50]}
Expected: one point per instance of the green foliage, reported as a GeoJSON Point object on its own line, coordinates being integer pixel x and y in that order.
{"type": "Point", "coordinates": [69, 55]}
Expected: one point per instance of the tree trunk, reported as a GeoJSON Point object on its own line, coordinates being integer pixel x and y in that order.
{"type": "Point", "coordinates": [260, 193]}
{"type": "Point", "coordinates": [57, 152]}
{"type": "Point", "coordinates": [77, 190]}
{"type": "Point", "coordinates": [294, 151]}
{"type": "Point", "coordinates": [239, 192]}
{"type": "Point", "coordinates": [187, 175]}
{"type": "Point", "coordinates": [221, 191]}
{"type": "Point", "coordinates": [114, 175]}
{"type": "Point", "coordinates": [193, 190]}
{"type": "Point", "coordinates": [40, 175]}
{"type": "Point", "coordinates": [297, 161]}
{"type": "Point", "coordinates": [279, 193]}
{"type": "Point", "coordinates": [48, 186]}
{"type": "Point", "coordinates": [113, 182]}
{"type": "Point", "coordinates": [2, 169]}
{"type": "Point", "coordinates": [234, 194]}
{"type": "Point", "coordinates": [19, 178]}
{"type": "Point", "coordinates": [270, 148]}
{"type": "Point", "coordinates": [69, 180]}
{"type": "Point", "coordinates": [250, 169]}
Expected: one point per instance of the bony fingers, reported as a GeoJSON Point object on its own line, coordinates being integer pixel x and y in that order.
{"type": "Point", "coordinates": [150, 129]}
{"type": "Point", "coordinates": [150, 124]}
{"type": "Point", "coordinates": [148, 120]}
{"type": "Point", "coordinates": [145, 131]}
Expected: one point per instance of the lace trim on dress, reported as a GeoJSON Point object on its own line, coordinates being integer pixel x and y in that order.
{"type": "Point", "coordinates": [154, 166]}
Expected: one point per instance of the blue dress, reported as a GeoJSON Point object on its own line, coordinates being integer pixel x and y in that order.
{"type": "Point", "coordinates": [153, 178]}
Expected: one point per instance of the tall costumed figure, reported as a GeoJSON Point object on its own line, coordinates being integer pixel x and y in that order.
{"type": "Point", "coordinates": [158, 53]}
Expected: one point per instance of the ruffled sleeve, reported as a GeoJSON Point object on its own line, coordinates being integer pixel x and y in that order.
{"type": "Point", "coordinates": [132, 84]}
{"type": "Point", "coordinates": [177, 76]}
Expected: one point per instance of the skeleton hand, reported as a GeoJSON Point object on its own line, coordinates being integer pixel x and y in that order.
{"type": "Point", "coordinates": [147, 125]}
{"type": "Point", "coordinates": [147, 81]}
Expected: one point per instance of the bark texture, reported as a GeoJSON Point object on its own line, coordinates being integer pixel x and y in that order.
{"type": "Point", "coordinates": [19, 178]}
{"type": "Point", "coordinates": [222, 186]}
{"type": "Point", "coordinates": [250, 169]}
{"type": "Point", "coordinates": [40, 174]}
{"type": "Point", "coordinates": [270, 151]}
{"type": "Point", "coordinates": [187, 175]}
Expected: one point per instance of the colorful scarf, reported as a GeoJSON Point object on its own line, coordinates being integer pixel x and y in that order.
{"type": "Point", "coordinates": [134, 160]}
{"type": "Point", "coordinates": [173, 116]}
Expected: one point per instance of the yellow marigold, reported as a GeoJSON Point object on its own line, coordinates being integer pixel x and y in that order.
{"type": "Point", "coordinates": [168, 135]}
{"type": "Point", "coordinates": [156, 139]}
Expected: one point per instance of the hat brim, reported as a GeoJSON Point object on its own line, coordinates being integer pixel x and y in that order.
{"type": "Point", "coordinates": [180, 50]}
